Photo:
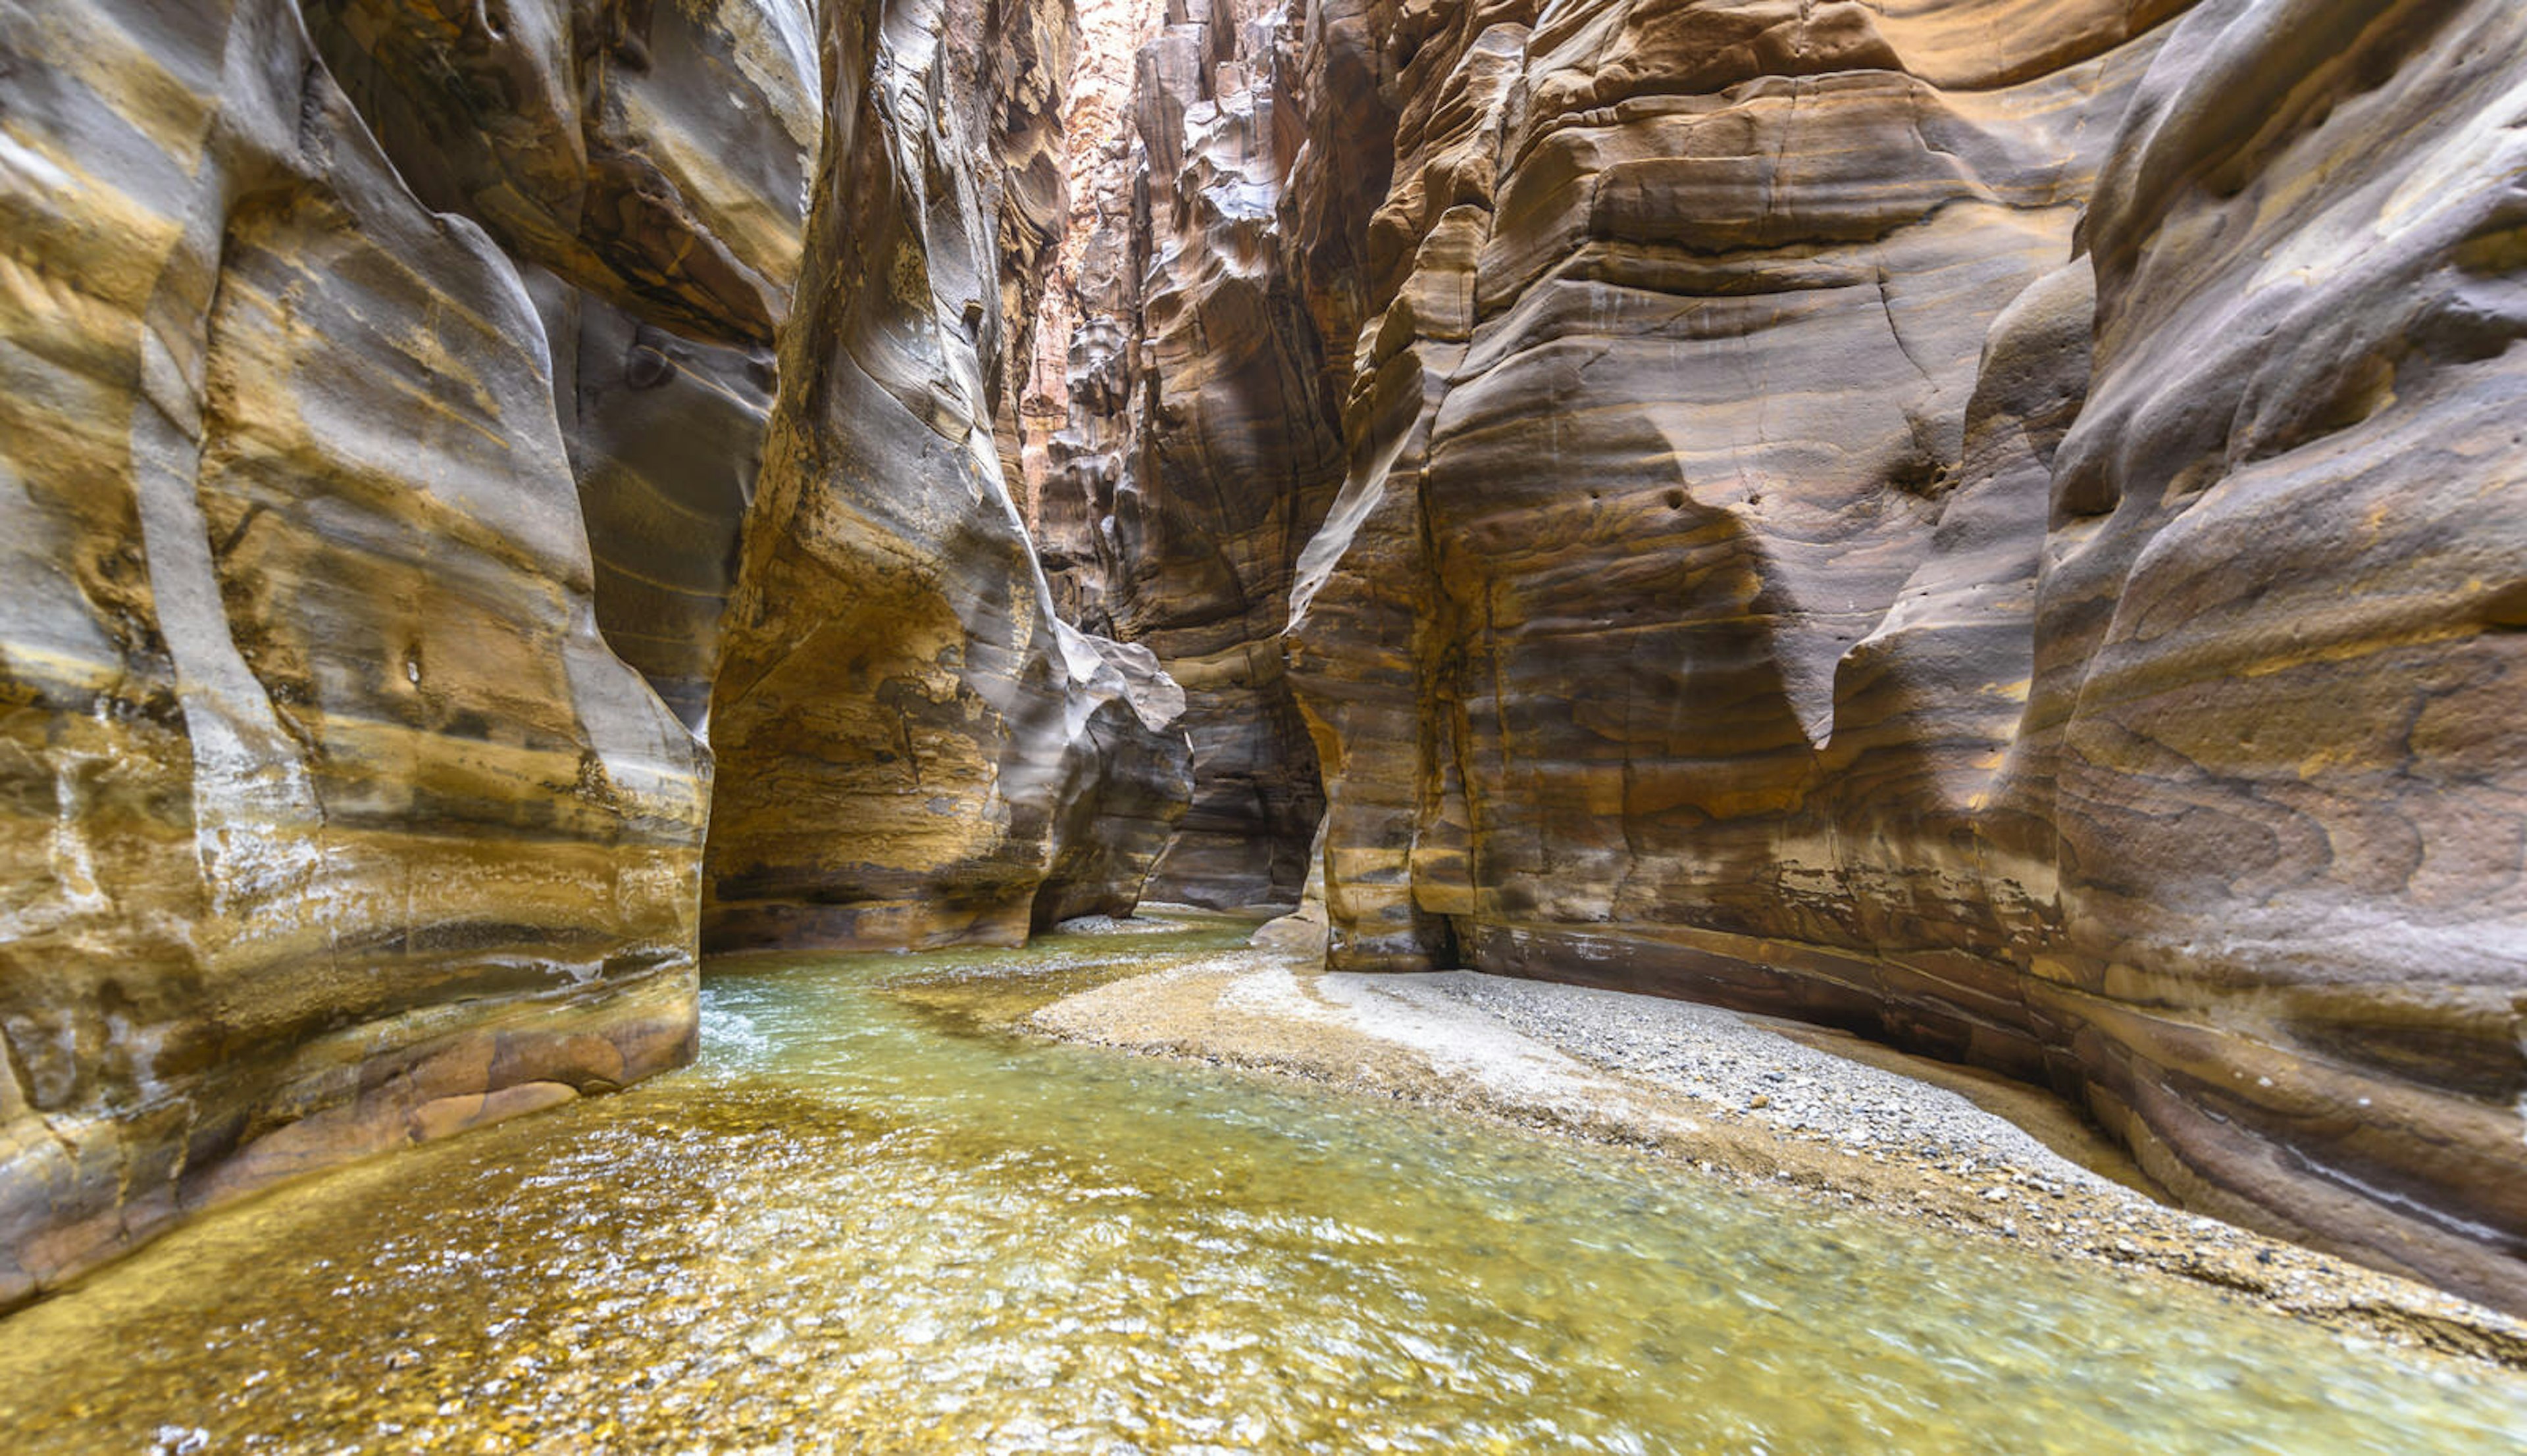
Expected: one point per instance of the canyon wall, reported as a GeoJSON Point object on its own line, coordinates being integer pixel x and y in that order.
{"type": "Point", "coordinates": [1992, 522]}
{"type": "Point", "coordinates": [1198, 449]}
{"type": "Point", "coordinates": [332, 822]}
{"type": "Point", "coordinates": [386, 383]}
{"type": "Point", "coordinates": [914, 750]}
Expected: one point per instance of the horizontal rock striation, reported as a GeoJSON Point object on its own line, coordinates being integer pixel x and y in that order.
{"type": "Point", "coordinates": [2278, 671]}
{"type": "Point", "coordinates": [913, 749]}
{"type": "Point", "coordinates": [386, 383]}
{"type": "Point", "coordinates": [331, 822]}
{"type": "Point", "coordinates": [1201, 450]}
{"type": "Point", "coordinates": [1986, 524]}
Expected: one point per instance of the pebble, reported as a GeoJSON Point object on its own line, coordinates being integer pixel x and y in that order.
{"type": "Point", "coordinates": [1717, 1056]}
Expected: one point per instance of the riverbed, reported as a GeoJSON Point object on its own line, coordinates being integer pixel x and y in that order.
{"type": "Point", "coordinates": [874, 1217]}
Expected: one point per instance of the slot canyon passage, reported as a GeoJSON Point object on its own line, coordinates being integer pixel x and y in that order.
{"type": "Point", "coordinates": [1753, 726]}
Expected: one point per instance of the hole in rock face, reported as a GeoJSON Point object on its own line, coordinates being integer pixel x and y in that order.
{"type": "Point", "coordinates": [1919, 474]}
{"type": "Point", "coordinates": [1676, 500]}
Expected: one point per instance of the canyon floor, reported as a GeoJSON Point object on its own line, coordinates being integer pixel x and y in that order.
{"type": "Point", "coordinates": [1820, 1113]}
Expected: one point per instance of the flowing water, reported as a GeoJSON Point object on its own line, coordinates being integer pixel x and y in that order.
{"type": "Point", "coordinates": [871, 1219]}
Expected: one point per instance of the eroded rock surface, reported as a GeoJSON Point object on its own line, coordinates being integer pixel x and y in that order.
{"type": "Point", "coordinates": [1201, 450]}
{"type": "Point", "coordinates": [385, 385]}
{"type": "Point", "coordinates": [1990, 524]}
{"type": "Point", "coordinates": [331, 822]}
{"type": "Point", "coordinates": [913, 749]}
{"type": "Point", "coordinates": [2278, 671]}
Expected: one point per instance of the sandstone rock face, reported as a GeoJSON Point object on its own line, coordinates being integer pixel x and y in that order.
{"type": "Point", "coordinates": [656, 155]}
{"type": "Point", "coordinates": [2278, 676]}
{"type": "Point", "coordinates": [1202, 450]}
{"type": "Point", "coordinates": [1663, 408]}
{"type": "Point", "coordinates": [665, 436]}
{"type": "Point", "coordinates": [1073, 419]}
{"type": "Point", "coordinates": [913, 749]}
{"type": "Point", "coordinates": [331, 822]}
{"type": "Point", "coordinates": [382, 378]}
{"type": "Point", "coordinates": [1989, 524]}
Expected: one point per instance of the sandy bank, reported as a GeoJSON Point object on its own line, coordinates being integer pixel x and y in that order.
{"type": "Point", "coordinates": [1745, 1102]}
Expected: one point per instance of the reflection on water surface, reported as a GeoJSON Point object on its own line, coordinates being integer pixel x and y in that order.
{"type": "Point", "coordinates": [869, 1221]}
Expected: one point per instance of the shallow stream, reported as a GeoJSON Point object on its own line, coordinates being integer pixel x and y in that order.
{"type": "Point", "coordinates": [872, 1219]}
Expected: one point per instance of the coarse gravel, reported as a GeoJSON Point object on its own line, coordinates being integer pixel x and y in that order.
{"type": "Point", "coordinates": [1714, 1055]}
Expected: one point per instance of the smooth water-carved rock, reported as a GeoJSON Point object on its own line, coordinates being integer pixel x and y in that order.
{"type": "Point", "coordinates": [903, 726]}
{"type": "Point", "coordinates": [1979, 524]}
{"type": "Point", "coordinates": [1201, 455]}
{"type": "Point", "coordinates": [665, 436]}
{"type": "Point", "coordinates": [331, 823]}
{"type": "Point", "coordinates": [657, 155]}
{"type": "Point", "coordinates": [1665, 410]}
{"type": "Point", "coordinates": [373, 371]}
{"type": "Point", "coordinates": [2279, 676]}
{"type": "Point", "coordinates": [649, 165]}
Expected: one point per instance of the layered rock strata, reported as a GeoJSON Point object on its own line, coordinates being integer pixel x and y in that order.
{"type": "Point", "coordinates": [331, 822]}
{"type": "Point", "coordinates": [1846, 583]}
{"type": "Point", "coordinates": [914, 749]}
{"type": "Point", "coordinates": [2278, 674]}
{"type": "Point", "coordinates": [382, 378]}
{"type": "Point", "coordinates": [1201, 455]}
{"type": "Point", "coordinates": [1979, 523]}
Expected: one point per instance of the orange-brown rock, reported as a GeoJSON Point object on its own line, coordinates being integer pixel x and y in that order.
{"type": "Point", "coordinates": [382, 378]}
{"type": "Point", "coordinates": [649, 165]}
{"type": "Point", "coordinates": [913, 749]}
{"type": "Point", "coordinates": [330, 822]}
{"type": "Point", "coordinates": [654, 153]}
{"type": "Point", "coordinates": [1981, 522]}
{"type": "Point", "coordinates": [1201, 456]}
{"type": "Point", "coordinates": [2278, 674]}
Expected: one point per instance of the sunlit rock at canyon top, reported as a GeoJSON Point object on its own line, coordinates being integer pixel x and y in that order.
{"type": "Point", "coordinates": [1985, 531]}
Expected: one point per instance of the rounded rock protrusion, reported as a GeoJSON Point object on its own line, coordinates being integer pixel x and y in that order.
{"type": "Point", "coordinates": [646, 366]}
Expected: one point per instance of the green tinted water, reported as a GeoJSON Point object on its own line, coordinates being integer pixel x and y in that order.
{"type": "Point", "coordinates": [869, 1221]}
